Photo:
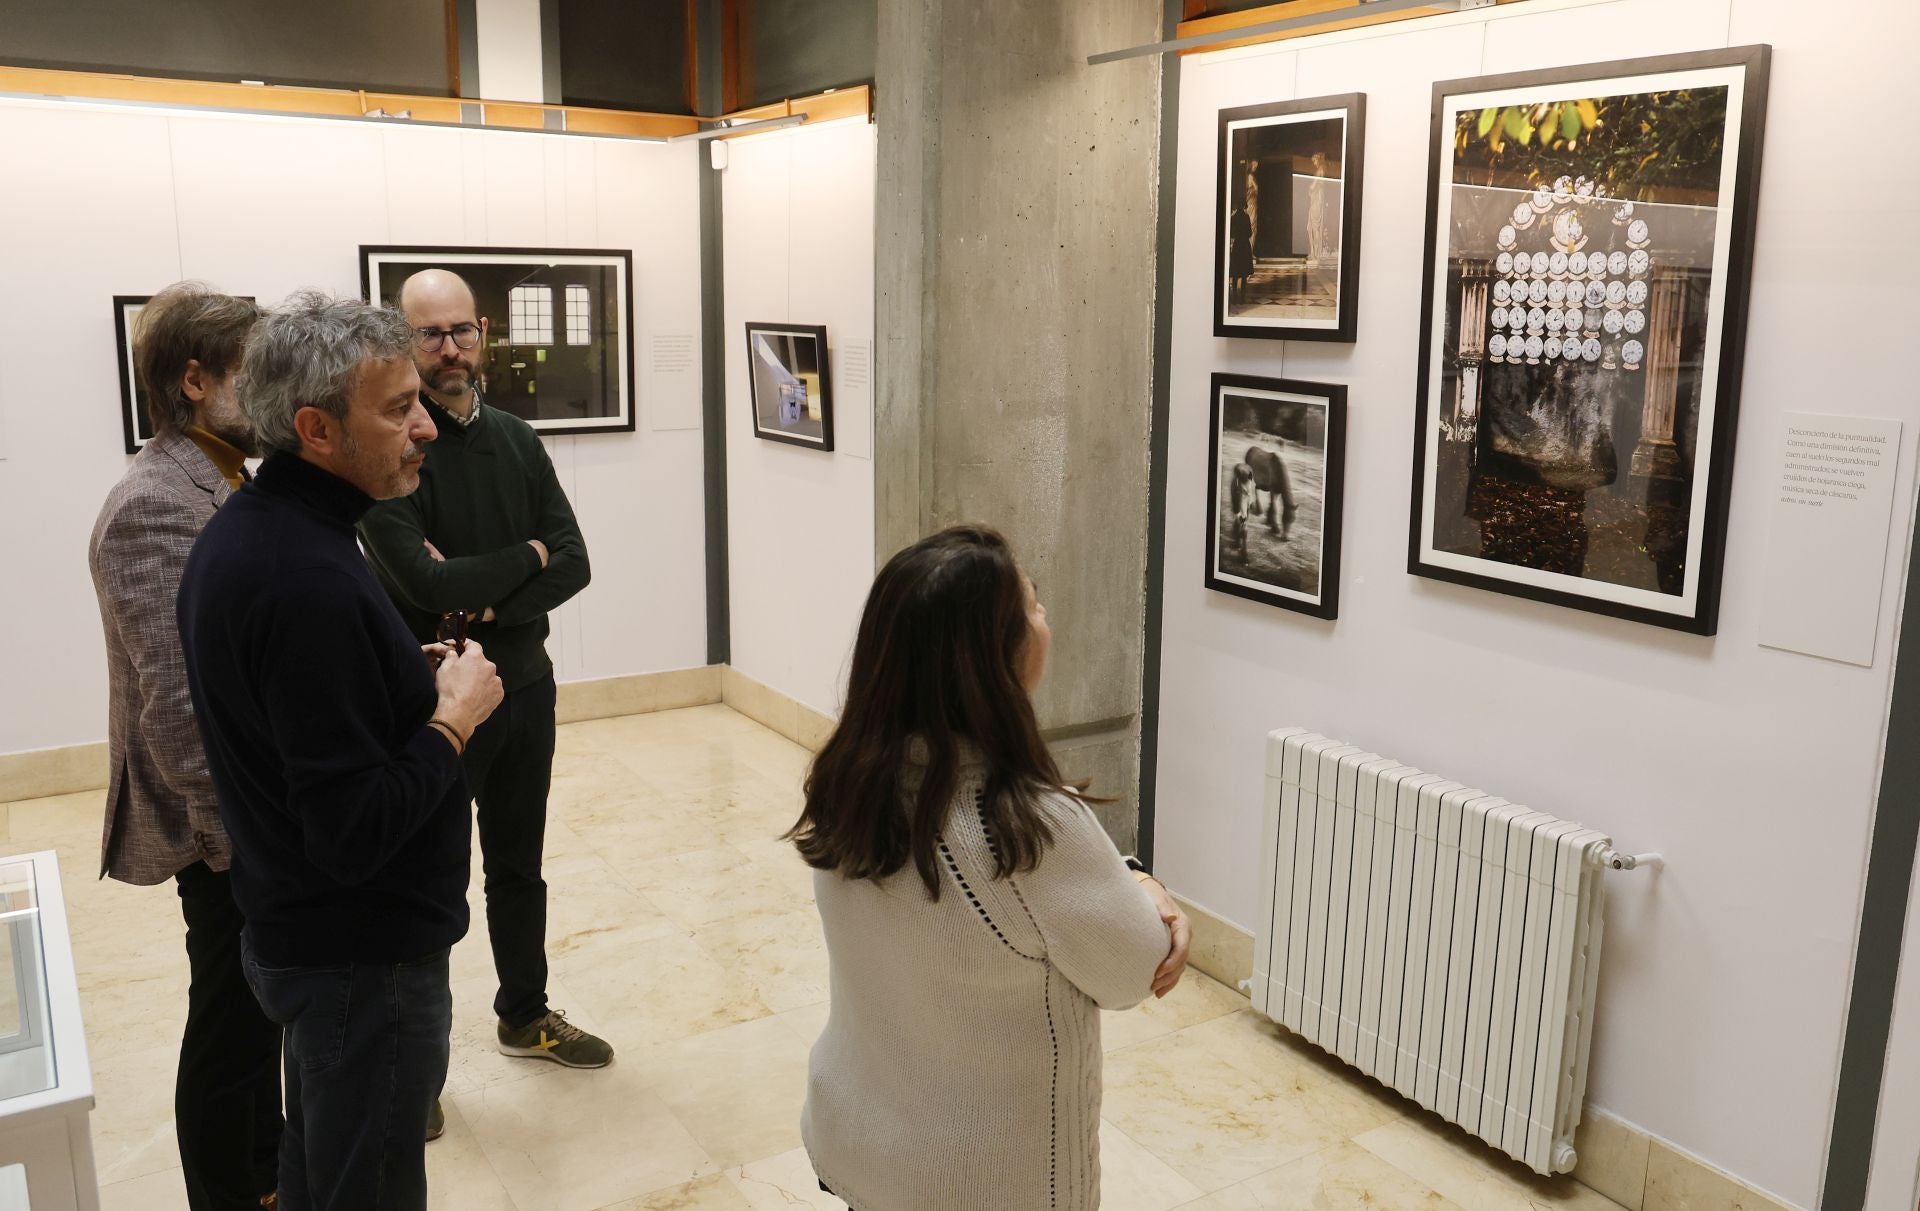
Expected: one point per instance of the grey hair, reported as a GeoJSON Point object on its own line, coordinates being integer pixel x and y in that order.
{"type": "Point", "coordinates": [307, 353]}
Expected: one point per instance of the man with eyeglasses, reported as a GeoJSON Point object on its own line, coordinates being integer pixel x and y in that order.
{"type": "Point", "coordinates": [490, 536]}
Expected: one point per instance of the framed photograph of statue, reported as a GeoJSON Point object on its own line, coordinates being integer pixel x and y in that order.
{"type": "Point", "coordinates": [558, 340]}
{"type": "Point", "coordinates": [1287, 219]}
{"type": "Point", "coordinates": [1275, 473]}
{"type": "Point", "coordinates": [1589, 236]}
{"type": "Point", "coordinates": [789, 387]}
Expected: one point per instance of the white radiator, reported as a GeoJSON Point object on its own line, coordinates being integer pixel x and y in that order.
{"type": "Point", "coordinates": [1441, 940]}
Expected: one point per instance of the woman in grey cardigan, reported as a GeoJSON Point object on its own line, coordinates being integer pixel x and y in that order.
{"type": "Point", "coordinates": [976, 915]}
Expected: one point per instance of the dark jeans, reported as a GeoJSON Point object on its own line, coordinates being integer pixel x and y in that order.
{"type": "Point", "coordinates": [226, 1094]}
{"type": "Point", "coordinates": [509, 767]}
{"type": "Point", "coordinates": [366, 1057]}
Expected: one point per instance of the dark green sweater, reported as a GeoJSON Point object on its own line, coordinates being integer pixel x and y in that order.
{"type": "Point", "coordinates": [484, 492]}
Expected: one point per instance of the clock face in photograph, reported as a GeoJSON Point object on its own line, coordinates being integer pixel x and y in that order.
{"type": "Point", "coordinates": [1638, 263]}
{"type": "Point", "coordinates": [1636, 293]}
{"type": "Point", "coordinates": [1504, 262]}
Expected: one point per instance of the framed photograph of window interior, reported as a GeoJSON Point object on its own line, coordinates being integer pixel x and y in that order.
{"type": "Point", "coordinates": [1589, 237]}
{"type": "Point", "coordinates": [791, 390]}
{"type": "Point", "coordinates": [136, 422]}
{"type": "Point", "coordinates": [1287, 219]}
{"type": "Point", "coordinates": [1275, 475]}
{"type": "Point", "coordinates": [557, 346]}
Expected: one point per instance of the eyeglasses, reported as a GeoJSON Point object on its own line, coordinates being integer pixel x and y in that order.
{"type": "Point", "coordinates": [465, 336]}
{"type": "Point", "coordinates": [453, 630]}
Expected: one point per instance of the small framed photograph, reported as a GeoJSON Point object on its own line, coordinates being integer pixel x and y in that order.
{"type": "Point", "coordinates": [1275, 479]}
{"type": "Point", "coordinates": [559, 327]}
{"type": "Point", "coordinates": [791, 390]}
{"type": "Point", "coordinates": [1287, 240]}
{"type": "Point", "coordinates": [136, 422]}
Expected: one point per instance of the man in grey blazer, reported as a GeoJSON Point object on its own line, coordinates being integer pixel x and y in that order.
{"type": "Point", "coordinates": [162, 822]}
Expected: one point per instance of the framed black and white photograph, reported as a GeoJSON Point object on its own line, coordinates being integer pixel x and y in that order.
{"type": "Point", "coordinates": [1275, 477]}
{"type": "Point", "coordinates": [791, 390]}
{"type": "Point", "coordinates": [559, 327]}
{"type": "Point", "coordinates": [136, 422]}
{"type": "Point", "coordinates": [1287, 236]}
{"type": "Point", "coordinates": [1589, 236]}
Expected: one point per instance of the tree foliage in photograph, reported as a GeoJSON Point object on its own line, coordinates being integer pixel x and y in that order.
{"type": "Point", "coordinates": [1648, 147]}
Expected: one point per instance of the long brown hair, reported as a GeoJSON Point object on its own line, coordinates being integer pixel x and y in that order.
{"type": "Point", "coordinates": [937, 662]}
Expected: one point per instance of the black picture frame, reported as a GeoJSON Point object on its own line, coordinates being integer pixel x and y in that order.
{"type": "Point", "coordinates": [597, 393]}
{"type": "Point", "coordinates": [1295, 405]}
{"type": "Point", "coordinates": [136, 421]}
{"type": "Point", "coordinates": [1275, 223]}
{"type": "Point", "coordinates": [778, 395]}
{"type": "Point", "coordinates": [1646, 530]}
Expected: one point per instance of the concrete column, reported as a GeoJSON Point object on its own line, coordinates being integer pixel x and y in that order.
{"type": "Point", "coordinates": [1016, 262]}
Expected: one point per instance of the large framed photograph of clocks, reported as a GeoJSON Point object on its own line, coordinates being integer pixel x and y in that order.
{"type": "Point", "coordinates": [1287, 219]}
{"type": "Point", "coordinates": [1275, 476]}
{"type": "Point", "coordinates": [789, 387]}
{"type": "Point", "coordinates": [1589, 236]}
{"type": "Point", "coordinates": [557, 345]}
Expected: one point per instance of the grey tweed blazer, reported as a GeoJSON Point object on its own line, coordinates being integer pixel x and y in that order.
{"type": "Point", "coordinates": [161, 812]}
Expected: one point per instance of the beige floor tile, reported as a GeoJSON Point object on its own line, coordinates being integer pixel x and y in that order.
{"type": "Point", "coordinates": [459, 1177]}
{"type": "Point", "coordinates": [133, 1115]}
{"type": "Point", "coordinates": [1283, 1060]}
{"type": "Point", "coordinates": [807, 1022]}
{"type": "Point", "coordinates": [711, 885]}
{"type": "Point", "coordinates": [162, 1191]}
{"type": "Point", "coordinates": [474, 1060]}
{"type": "Point", "coordinates": [737, 1091]}
{"type": "Point", "coordinates": [1340, 1177]}
{"type": "Point", "coordinates": [58, 821]}
{"type": "Point", "coordinates": [783, 1183]}
{"type": "Point", "coordinates": [1195, 999]}
{"type": "Point", "coordinates": [1678, 1182]}
{"type": "Point", "coordinates": [577, 1141]}
{"type": "Point", "coordinates": [1471, 1173]}
{"type": "Point", "coordinates": [1221, 1119]}
{"type": "Point", "coordinates": [1133, 1179]}
{"type": "Point", "coordinates": [658, 988]}
{"type": "Point", "coordinates": [716, 1193]}
{"type": "Point", "coordinates": [591, 908]}
{"type": "Point", "coordinates": [782, 955]}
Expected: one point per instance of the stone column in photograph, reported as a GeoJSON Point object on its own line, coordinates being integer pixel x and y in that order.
{"type": "Point", "coordinates": [1473, 348]}
{"type": "Point", "coordinates": [1657, 456]}
{"type": "Point", "coordinates": [1015, 282]}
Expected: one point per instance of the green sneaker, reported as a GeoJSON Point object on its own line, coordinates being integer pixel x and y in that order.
{"type": "Point", "coordinates": [436, 1122]}
{"type": "Point", "coordinates": [554, 1038]}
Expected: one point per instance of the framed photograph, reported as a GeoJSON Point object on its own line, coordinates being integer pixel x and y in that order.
{"type": "Point", "coordinates": [135, 421]}
{"type": "Point", "coordinates": [1287, 236]}
{"type": "Point", "coordinates": [791, 391]}
{"type": "Point", "coordinates": [559, 327]}
{"type": "Point", "coordinates": [1589, 236]}
{"type": "Point", "coordinates": [1275, 475]}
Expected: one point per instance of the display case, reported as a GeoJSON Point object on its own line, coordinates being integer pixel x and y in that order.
{"type": "Point", "coordinates": [46, 1083]}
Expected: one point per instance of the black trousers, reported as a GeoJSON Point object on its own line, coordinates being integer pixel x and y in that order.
{"type": "Point", "coordinates": [226, 1094]}
{"type": "Point", "coordinates": [509, 766]}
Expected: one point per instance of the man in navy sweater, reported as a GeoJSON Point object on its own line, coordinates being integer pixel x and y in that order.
{"type": "Point", "coordinates": [334, 740]}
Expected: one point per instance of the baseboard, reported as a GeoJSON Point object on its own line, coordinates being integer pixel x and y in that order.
{"type": "Point", "coordinates": [638, 694]}
{"type": "Point", "coordinates": [1617, 1159]}
{"type": "Point", "coordinates": [74, 768]}
{"type": "Point", "coordinates": [39, 773]}
{"type": "Point", "coordinates": [772, 709]}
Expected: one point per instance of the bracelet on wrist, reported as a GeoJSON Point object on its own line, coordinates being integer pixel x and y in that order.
{"type": "Point", "coordinates": [453, 735]}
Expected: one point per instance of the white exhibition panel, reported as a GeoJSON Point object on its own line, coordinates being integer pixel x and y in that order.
{"type": "Point", "coordinates": [1754, 771]}
{"type": "Point", "coordinates": [122, 200]}
{"type": "Point", "coordinates": [798, 234]}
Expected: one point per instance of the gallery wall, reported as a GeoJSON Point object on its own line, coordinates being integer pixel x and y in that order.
{"type": "Point", "coordinates": [798, 239]}
{"type": "Point", "coordinates": [1724, 989]}
{"type": "Point", "coordinates": [124, 201]}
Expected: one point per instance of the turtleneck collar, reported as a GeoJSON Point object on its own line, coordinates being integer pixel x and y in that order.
{"type": "Point", "coordinates": [294, 478]}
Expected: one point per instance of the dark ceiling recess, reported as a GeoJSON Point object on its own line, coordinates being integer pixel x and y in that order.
{"type": "Point", "coordinates": [627, 54]}
{"type": "Point", "coordinates": [379, 45]}
{"type": "Point", "coordinates": [1213, 8]}
{"type": "Point", "coordinates": [778, 49]}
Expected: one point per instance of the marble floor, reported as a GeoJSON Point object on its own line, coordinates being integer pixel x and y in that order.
{"type": "Point", "coordinates": [684, 932]}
